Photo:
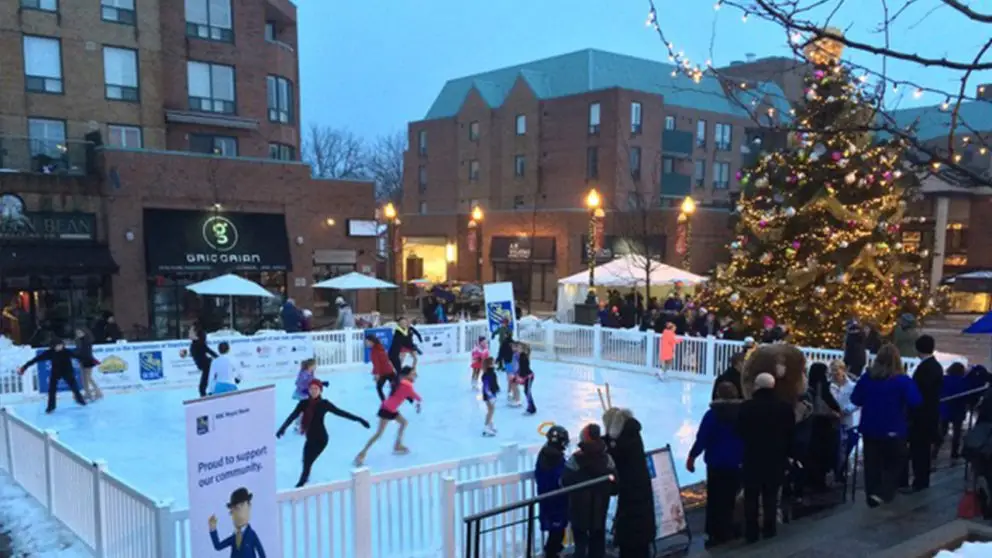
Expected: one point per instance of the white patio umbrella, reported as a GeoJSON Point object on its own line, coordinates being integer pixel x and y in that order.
{"type": "Point", "coordinates": [354, 281]}
{"type": "Point", "coordinates": [230, 285]}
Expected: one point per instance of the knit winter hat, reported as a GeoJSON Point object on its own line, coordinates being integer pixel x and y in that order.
{"type": "Point", "coordinates": [318, 383]}
{"type": "Point", "coordinates": [590, 433]}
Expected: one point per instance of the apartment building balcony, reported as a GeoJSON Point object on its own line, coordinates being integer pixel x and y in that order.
{"type": "Point", "coordinates": [675, 185]}
{"type": "Point", "coordinates": [676, 143]}
{"type": "Point", "coordinates": [21, 154]}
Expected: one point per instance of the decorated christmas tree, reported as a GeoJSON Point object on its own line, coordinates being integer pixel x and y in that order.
{"type": "Point", "coordinates": [818, 231]}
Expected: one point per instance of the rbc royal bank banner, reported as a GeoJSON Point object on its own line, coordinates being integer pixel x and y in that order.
{"type": "Point", "coordinates": [500, 306]}
{"type": "Point", "coordinates": [231, 472]}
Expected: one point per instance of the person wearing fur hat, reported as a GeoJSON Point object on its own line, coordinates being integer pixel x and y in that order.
{"type": "Point", "coordinates": [854, 348]}
{"type": "Point", "coordinates": [547, 474]}
{"type": "Point", "coordinates": [717, 438]}
{"type": "Point", "coordinates": [635, 519]}
{"type": "Point", "coordinates": [314, 410]}
{"type": "Point", "coordinates": [587, 508]}
{"type": "Point", "coordinates": [765, 424]}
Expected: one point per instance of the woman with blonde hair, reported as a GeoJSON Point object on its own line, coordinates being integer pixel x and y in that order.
{"type": "Point", "coordinates": [885, 395]}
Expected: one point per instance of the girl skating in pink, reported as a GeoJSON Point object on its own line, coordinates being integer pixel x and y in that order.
{"type": "Point", "coordinates": [479, 355]}
{"type": "Point", "coordinates": [389, 411]}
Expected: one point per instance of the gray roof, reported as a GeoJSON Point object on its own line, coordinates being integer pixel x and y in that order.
{"type": "Point", "coordinates": [934, 122]}
{"type": "Point", "coordinates": [595, 70]}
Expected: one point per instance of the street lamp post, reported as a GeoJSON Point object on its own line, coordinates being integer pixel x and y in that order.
{"type": "Point", "coordinates": [392, 224]}
{"type": "Point", "coordinates": [685, 219]}
{"type": "Point", "coordinates": [476, 223]}
{"type": "Point", "coordinates": [594, 204]}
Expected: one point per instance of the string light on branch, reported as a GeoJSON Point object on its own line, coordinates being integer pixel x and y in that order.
{"type": "Point", "coordinates": [917, 94]}
{"type": "Point", "coordinates": [744, 17]}
{"type": "Point", "coordinates": [717, 5]}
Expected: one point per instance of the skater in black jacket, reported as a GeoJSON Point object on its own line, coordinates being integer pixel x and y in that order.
{"type": "Point", "coordinates": [201, 354]}
{"type": "Point", "coordinates": [403, 344]}
{"type": "Point", "coordinates": [61, 359]}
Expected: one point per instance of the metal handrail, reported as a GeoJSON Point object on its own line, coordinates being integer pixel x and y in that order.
{"type": "Point", "coordinates": [536, 499]}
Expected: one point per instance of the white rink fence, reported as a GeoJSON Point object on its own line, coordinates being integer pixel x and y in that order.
{"type": "Point", "coordinates": [408, 513]}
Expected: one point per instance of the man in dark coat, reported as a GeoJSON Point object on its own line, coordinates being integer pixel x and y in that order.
{"type": "Point", "coordinates": [587, 507]}
{"type": "Point", "coordinates": [547, 475]}
{"type": "Point", "coordinates": [635, 519]}
{"type": "Point", "coordinates": [924, 420]}
{"type": "Point", "coordinates": [731, 375]}
{"type": "Point", "coordinates": [765, 424]}
{"type": "Point", "coordinates": [292, 318]}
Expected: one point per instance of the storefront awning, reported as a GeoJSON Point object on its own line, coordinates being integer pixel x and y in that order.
{"type": "Point", "coordinates": [56, 258]}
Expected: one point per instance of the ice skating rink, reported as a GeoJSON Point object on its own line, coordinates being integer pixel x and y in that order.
{"type": "Point", "coordinates": [141, 436]}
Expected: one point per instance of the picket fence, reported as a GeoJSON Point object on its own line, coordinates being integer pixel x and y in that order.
{"type": "Point", "coordinates": [405, 513]}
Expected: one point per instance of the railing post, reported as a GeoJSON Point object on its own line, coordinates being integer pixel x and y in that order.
{"type": "Point", "coordinates": [597, 343]}
{"type": "Point", "coordinates": [448, 516]}
{"type": "Point", "coordinates": [8, 441]}
{"type": "Point", "coordinates": [649, 350]}
{"type": "Point", "coordinates": [462, 338]}
{"type": "Point", "coordinates": [712, 368]}
{"type": "Point", "coordinates": [99, 536]}
{"type": "Point", "coordinates": [549, 340]}
{"type": "Point", "coordinates": [361, 498]}
{"type": "Point", "coordinates": [49, 473]}
{"type": "Point", "coordinates": [509, 458]}
{"type": "Point", "coordinates": [165, 530]}
{"type": "Point", "coordinates": [349, 346]}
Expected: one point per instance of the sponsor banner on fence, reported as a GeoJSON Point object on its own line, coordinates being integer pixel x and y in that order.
{"type": "Point", "coordinates": [231, 472]}
{"type": "Point", "coordinates": [438, 341]}
{"type": "Point", "coordinates": [500, 306]}
{"type": "Point", "coordinates": [668, 509]}
{"type": "Point", "coordinates": [383, 334]}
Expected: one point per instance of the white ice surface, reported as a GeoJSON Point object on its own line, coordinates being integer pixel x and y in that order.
{"type": "Point", "coordinates": [32, 531]}
{"type": "Point", "coordinates": [141, 435]}
{"type": "Point", "coordinates": [968, 550]}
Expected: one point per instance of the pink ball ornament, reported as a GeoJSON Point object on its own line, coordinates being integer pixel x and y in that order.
{"type": "Point", "coordinates": [762, 223]}
{"type": "Point", "coordinates": [819, 74]}
{"type": "Point", "coordinates": [796, 244]}
{"type": "Point", "coordinates": [836, 155]}
{"type": "Point", "coordinates": [852, 223]}
{"type": "Point", "coordinates": [895, 300]}
{"type": "Point", "coordinates": [870, 178]}
{"type": "Point", "coordinates": [887, 175]}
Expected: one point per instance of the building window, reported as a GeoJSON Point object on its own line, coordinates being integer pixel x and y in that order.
{"type": "Point", "coordinates": [721, 175]}
{"type": "Point", "coordinates": [282, 152]}
{"type": "Point", "coordinates": [592, 162]}
{"type": "Point", "coordinates": [43, 64]}
{"type": "Point", "coordinates": [699, 172]}
{"type": "Point", "coordinates": [120, 73]}
{"type": "Point", "coordinates": [280, 92]}
{"type": "Point", "coordinates": [521, 124]}
{"type": "Point", "coordinates": [473, 170]}
{"type": "Point", "coordinates": [700, 133]}
{"type": "Point", "coordinates": [519, 166]}
{"type": "Point", "coordinates": [422, 178]}
{"type": "Point", "coordinates": [422, 142]}
{"type": "Point", "coordinates": [722, 133]}
{"type": "Point", "coordinates": [594, 118]}
{"type": "Point", "coordinates": [211, 87]}
{"type": "Point", "coordinates": [270, 31]}
{"type": "Point", "coordinates": [226, 146]}
{"type": "Point", "coordinates": [669, 122]}
{"type": "Point", "coordinates": [423, 208]}
{"type": "Point", "coordinates": [45, 5]}
{"type": "Point", "coordinates": [518, 202]}
{"type": "Point", "coordinates": [209, 19]}
{"type": "Point", "coordinates": [127, 137]}
{"type": "Point", "coordinates": [635, 163]}
{"type": "Point", "coordinates": [118, 11]}
{"type": "Point", "coordinates": [473, 131]}
{"type": "Point", "coordinates": [635, 118]}
{"type": "Point", "coordinates": [47, 137]}
{"type": "Point", "coordinates": [667, 165]}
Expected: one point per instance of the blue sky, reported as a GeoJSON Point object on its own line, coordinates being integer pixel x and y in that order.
{"type": "Point", "coordinates": [373, 65]}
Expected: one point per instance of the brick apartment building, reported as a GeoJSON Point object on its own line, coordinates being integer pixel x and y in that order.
{"type": "Point", "coordinates": [527, 143]}
{"type": "Point", "coordinates": [146, 145]}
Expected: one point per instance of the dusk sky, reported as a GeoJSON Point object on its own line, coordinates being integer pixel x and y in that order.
{"type": "Point", "coordinates": [371, 66]}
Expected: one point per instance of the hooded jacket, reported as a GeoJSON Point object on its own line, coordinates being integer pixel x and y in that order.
{"type": "Point", "coordinates": [766, 425]}
{"type": "Point", "coordinates": [885, 401]}
{"type": "Point", "coordinates": [904, 336]}
{"type": "Point", "coordinates": [587, 508]}
{"type": "Point", "coordinates": [547, 474]}
{"type": "Point", "coordinates": [717, 438]}
{"type": "Point", "coordinates": [635, 518]}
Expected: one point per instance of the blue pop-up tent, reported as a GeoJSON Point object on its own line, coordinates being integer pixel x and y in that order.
{"type": "Point", "coordinates": [981, 325]}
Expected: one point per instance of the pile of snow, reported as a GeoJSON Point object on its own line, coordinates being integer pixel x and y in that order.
{"type": "Point", "coordinates": [968, 550]}
{"type": "Point", "coordinates": [32, 531]}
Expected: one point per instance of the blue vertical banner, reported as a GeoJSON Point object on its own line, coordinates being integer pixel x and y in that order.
{"type": "Point", "coordinates": [383, 334]}
{"type": "Point", "coordinates": [500, 306]}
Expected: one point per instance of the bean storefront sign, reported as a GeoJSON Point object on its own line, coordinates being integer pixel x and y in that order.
{"type": "Point", "coordinates": [214, 241]}
{"type": "Point", "coordinates": [18, 224]}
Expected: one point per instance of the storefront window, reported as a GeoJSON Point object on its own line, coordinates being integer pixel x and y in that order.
{"type": "Point", "coordinates": [425, 258]}
{"type": "Point", "coordinates": [324, 310]}
{"type": "Point", "coordinates": [970, 303]}
{"type": "Point", "coordinates": [35, 309]}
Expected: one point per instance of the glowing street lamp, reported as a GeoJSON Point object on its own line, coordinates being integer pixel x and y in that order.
{"type": "Point", "coordinates": [476, 223]}
{"type": "Point", "coordinates": [392, 223]}
{"type": "Point", "coordinates": [595, 205]}
{"type": "Point", "coordinates": [685, 219]}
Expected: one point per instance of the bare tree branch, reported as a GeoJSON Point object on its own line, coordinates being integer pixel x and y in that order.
{"type": "Point", "coordinates": [334, 153]}
{"type": "Point", "coordinates": [385, 166]}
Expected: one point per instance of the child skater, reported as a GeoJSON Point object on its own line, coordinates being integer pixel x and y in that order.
{"type": "Point", "coordinates": [84, 349]}
{"type": "Point", "coordinates": [525, 376]}
{"type": "Point", "coordinates": [505, 353]}
{"type": "Point", "coordinates": [61, 359]}
{"type": "Point", "coordinates": [490, 389]}
{"type": "Point", "coordinates": [667, 347]}
{"type": "Point", "coordinates": [308, 370]}
{"type": "Point", "coordinates": [390, 411]}
{"type": "Point", "coordinates": [511, 376]}
{"type": "Point", "coordinates": [382, 367]}
{"type": "Point", "coordinates": [403, 344]}
{"type": "Point", "coordinates": [224, 378]}
{"type": "Point", "coordinates": [313, 410]}
{"type": "Point", "coordinates": [547, 474]}
{"type": "Point", "coordinates": [479, 355]}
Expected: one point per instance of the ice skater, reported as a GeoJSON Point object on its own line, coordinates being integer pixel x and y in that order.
{"type": "Point", "coordinates": [307, 374]}
{"type": "Point", "coordinates": [61, 362]}
{"type": "Point", "coordinates": [201, 354]}
{"type": "Point", "coordinates": [505, 352]}
{"type": "Point", "coordinates": [402, 344]}
{"type": "Point", "coordinates": [84, 350]}
{"type": "Point", "coordinates": [490, 390]}
{"type": "Point", "coordinates": [382, 366]}
{"type": "Point", "coordinates": [223, 376]}
{"type": "Point", "coordinates": [525, 376]}
{"type": "Point", "coordinates": [513, 400]}
{"type": "Point", "coordinates": [313, 410]}
{"type": "Point", "coordinates": [389, 411]}
{"type": "Point", "coordinates": [480, 353]}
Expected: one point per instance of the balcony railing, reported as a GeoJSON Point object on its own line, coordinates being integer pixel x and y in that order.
{"type": "Point", "coordinates": [676, 142]}
{"type": "Point", "coordinates": [44, 156]}
{"type": "Point", "coordinates": [674, 184]}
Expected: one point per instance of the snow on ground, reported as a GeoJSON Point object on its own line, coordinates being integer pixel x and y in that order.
{"type": "Point", "coordinates": [968, 550]}
{"type": "Point", "coordinates": [141, 435]}
{"type": "Point", "coordinates": [32, 531]}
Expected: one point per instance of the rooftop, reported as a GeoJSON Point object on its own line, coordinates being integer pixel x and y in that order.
{"type": "Point", "coordinates": [933, 122]}
{"type": "Point", "coordinates": [596, 70]}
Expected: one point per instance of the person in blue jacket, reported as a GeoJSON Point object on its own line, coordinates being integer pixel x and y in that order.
{"type": "Point", "coordinates": [953, 408]}
{"type": "Point", "coordinates": [885, 395]}
{"type": "Point", "coordinates": [717, 438]}
{"type": "Point", "coordinates": [547, 473]}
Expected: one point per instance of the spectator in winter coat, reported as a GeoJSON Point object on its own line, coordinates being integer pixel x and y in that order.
{"type": "Point", "coordinates": [824, 427]}
{"type": "Point", "coordinates": [978, 377]}
{"type": "Point", "coordinates": [107, 330]}
{"type": "Point", "coordinates": [346, 318]}
{"type": "Point", "coordinates": [841, 388]}
{"type": "Point", "coordinates": [732, 375]}
{"type": "Point", "coordinates": [904, 336]}
{"type": "Point", "coordinates": [854, 348]}
{"type": "Point", "coordinates": [587, 507]}
{"type": "Point", "coordinates": [292, 319]}
{"type": "Point", "coordinates": [953, 409]}
{"type": "Point", "coordinates": [924, 423]}
{"type": "Point", "coordinates": [884, 394]}
{"type": "Point", "coordinates": [765, 424]}
{"type": "Point", "coordinates": [635, 519]}
{"type": "Point", "coordinates": [723, 451]}
{"type": "Point", "coordinates": [547, 475]}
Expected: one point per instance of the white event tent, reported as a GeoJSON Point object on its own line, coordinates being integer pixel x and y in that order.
{"type": "Point", "coordinates": [625, 272]}
{"type": "Point", "coordinates": [354, 281]}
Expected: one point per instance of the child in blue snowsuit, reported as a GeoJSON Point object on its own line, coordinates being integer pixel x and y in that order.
{"type": "Point", "coordinates": [952, 411]}
{"type": "Point", "coordinates": [547, 473]}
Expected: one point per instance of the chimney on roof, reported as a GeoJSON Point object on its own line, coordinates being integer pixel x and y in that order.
{"type": "Point", "coordinates": [736, 63]}
{"type": "Point", "coordinates": [984, 91]}
{"type": "Point", "coordinates": [750, 56]}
